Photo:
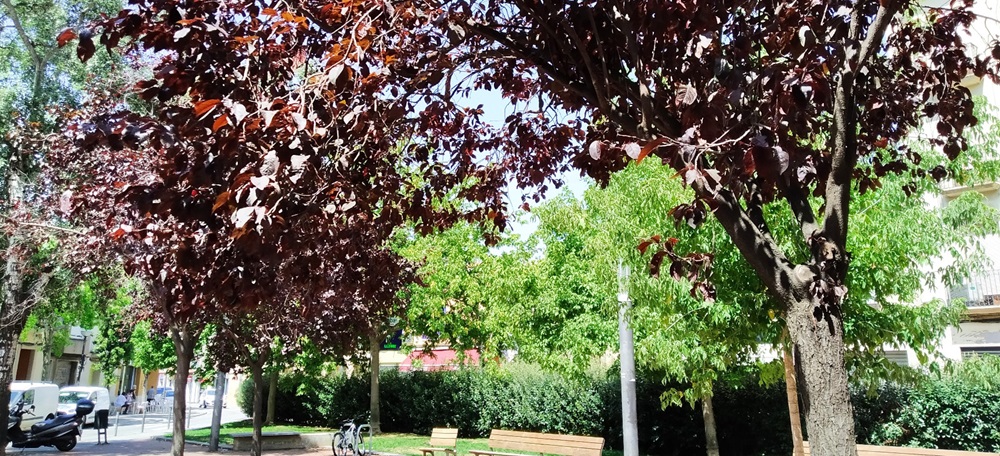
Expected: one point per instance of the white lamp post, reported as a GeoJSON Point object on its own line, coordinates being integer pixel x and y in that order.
{"type": "Point", "coordinates": [630, 432]}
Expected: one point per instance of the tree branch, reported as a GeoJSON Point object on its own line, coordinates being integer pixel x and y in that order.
{"type": "Point", "coordinates": [645, 96]}
{"type": "Point", "coordinates": [16, 20]}
{"type": "Point", "coordinates": [802, 209]}
{"type": "Point", "coordinates": [763, 254]}
{"type": "Point", "coordinates": [44, 226]}
{"type": "Point", "coordinates": [547, 69]}
{"type": "Point", "coordinates": [845, 143]}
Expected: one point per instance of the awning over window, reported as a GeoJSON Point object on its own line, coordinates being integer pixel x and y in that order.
{"type": "Point", "coordinates": [442, 359]}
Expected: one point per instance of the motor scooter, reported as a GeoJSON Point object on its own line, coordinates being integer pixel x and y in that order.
{"type": "Point", "coordinates": [60, 431]}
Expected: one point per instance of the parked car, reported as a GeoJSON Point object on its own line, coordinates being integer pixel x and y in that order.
{"type": "Point", "coordinates": [69, 395]}
{"type": "Point", "coordinates": [164, 396]}
{"type": "Point", "coordinates": [44, 397]}
{"type": "Point", "coordinates": [207, 398]}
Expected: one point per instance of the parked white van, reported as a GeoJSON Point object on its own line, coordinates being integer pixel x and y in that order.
{"type": "Point", "coordinates": [44, 396]}
{"type": "Point", "coordinates": [69, 395]}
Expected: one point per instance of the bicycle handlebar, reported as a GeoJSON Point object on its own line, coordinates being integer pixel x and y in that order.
{"type": "Point", "coordinates": [356, 419]}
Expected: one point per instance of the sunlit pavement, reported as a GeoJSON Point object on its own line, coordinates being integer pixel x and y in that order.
{"type": "Point", "coordinates": [135, 434]}
{"type": "Point", "coordinates": [149, 446]}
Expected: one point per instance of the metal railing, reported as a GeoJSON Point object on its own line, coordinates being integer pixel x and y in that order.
{"type": "Point", "coordinates": [980, 291]}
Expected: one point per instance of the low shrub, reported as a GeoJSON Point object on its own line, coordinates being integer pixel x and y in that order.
{"type": "Point", "coordinates": [751, 420]}
{"type": "Point", "coordinates": [944, 414]}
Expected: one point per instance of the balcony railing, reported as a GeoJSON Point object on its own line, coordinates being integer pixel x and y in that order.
{"type": "Point", "coordinates": [981, 290]}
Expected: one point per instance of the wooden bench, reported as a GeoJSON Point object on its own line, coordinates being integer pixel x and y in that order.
{"type": "Point", "coordinates": [242, 441]}
{"type": "Point", "coordinates": [444, 440]}
{"type": "Point", "coordinates": [876, 450]}
{"type": "Point", "coordinates": [535, 443]}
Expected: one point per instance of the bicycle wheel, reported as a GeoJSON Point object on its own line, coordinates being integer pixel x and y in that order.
{"type": "Point", "coordinates": [339, 444]}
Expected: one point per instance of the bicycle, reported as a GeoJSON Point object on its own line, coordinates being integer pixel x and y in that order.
{"type": "Point", "coordinates": [350, 439]}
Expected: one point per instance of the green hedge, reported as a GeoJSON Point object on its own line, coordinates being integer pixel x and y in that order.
{"type": "Point", "coordinates": [751, 420]}
{"type": "Point", "coordinates": [524, 398]}
{"type": "Point", "coordinates": [943, 414]}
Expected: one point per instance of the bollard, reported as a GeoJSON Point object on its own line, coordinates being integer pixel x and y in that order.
{"type": "Point", "coordinates": [188, 425]}
{"type": "Point", "coordinates": [118, 416]}
{"type": "Point", "coordinates": [143, 427]}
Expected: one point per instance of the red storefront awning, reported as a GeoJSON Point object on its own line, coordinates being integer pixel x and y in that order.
{"type": "Point", "coordinates": [442, 359]}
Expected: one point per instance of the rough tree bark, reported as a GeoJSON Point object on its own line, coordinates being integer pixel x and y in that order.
{"type": "Point", "coordinates": [272, 398]}
{"type": "Point", "coordinates": [257, 373]}
{"type": "Point", "coordinates": [826, 399]}
{"type": "Point", "coordinates": [9, 333]}
{"type": "Point", "coordinates": [708, 416]}
{"type": "Point", "coordinates": [184, 343]}
{"type": "Point", "coordinates": [792, 394]}
{"type": "Point", "coordinates": [18, 298]}
{"type": "Point", "coordinates": [375, 344]}
{"type": "Point", "coordinates": [7, 347]}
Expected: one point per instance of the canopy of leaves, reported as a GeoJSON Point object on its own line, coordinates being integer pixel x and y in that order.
{"type": "Point", "coordinates": [897, 245]}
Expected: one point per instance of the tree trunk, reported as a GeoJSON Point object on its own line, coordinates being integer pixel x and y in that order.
{"type": "Point", "coordinates": [819, 359]}
{"type": "Point", "coordinates": [184, 342]}
{"type": "Point", "coordinates": [220, 392]}
{"type": "Point", "coordinates": [46, 330]}
{"type": "Point", "coordinates": [6, 373]}
{"type": "Point", "coordinates": [708, 416]}
{"type": "Point", "coordinates": [257, 372]}
{"type": "Point", "coordinates": [375, 343]}
{"type": "Point", "coordinates": [792, 393]}
{"type": "Point", "coordinates": [14, 311]}
{"type": "Point", "coordinates": [272, 397]}
{"type": "Point", "coordinates": [140, 390]}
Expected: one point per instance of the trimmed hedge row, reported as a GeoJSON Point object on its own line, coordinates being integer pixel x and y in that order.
{"type": "Point", "coordinates": [942, 414]}
{"type": "Point", "coordinates": [751, 419]}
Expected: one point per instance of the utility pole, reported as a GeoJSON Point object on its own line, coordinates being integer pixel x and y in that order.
{"type": "Point", "coordinates": [630, 431]}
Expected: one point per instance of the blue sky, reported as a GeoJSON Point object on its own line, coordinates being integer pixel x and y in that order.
{"type": "Point", "coordinates": [496, 110]}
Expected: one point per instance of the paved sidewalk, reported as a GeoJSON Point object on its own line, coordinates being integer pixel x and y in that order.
{"type": "Point", "coordinates": [152, 447]}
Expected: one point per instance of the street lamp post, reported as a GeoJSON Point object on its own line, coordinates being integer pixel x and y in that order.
{"type": "Point", "coordinates": [630, 432]}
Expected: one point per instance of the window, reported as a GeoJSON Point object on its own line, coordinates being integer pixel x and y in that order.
{"type": "Point", "coordinates": [969, 352]}
{"type": "Point", "coordinates": [897, 356]}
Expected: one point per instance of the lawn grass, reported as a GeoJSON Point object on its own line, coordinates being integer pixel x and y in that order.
{"type": "Point", "coordinates": [245, 426]}
{"type": "Point", "coordinates": [408, 444]}
{"type": "Point", "coordinates": [404, 444]}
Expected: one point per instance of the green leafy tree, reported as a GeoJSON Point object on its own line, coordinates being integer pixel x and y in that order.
{"type": "Point", "coordinates": [896, 240]}
{"type": "Point", "coordinates": [113, 344]}
{"type": "Point", "coordinates": [68, 302]}
{"type": "Point", "coordinates": [450, 302]}
{"type": "Point", "coordinates": [37, 74]}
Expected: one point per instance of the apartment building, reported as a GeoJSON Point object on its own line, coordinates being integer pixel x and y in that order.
{"type": "Point", "coordinates": [74, 366]}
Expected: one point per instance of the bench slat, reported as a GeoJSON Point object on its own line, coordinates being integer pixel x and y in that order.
{"type": "Point", "coordinates": [572, 440]}
{"type": "Point", "coordinates": [443, 440]}
{"type": "Point", "coordinates": [875, 450]}
{"type": "Point", "coordinates": [535, 442]}
{"type": "Point", "coordinates": [495, 453]}
{"type": "Point", "coordinates": [878, 450]}
{"type": "Point", "coordinates": [542, 446]}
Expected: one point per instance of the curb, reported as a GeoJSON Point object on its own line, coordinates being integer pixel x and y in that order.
{"type": "Point", "coordinates": [222, 446]}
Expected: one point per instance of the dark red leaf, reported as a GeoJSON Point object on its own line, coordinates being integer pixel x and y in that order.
{"type": "Point", "coordinates": [85, 46]}
{"type": "Point", "coordinates": [643, 246]}
{"type": "Point", "coordinates": [65, 36]}
{"type": "Point", "coordinates": [220, 122]}
{"type": "Point", "coordinates": [656, 262]}
{"type": "Point", "coordinates": [202, 107]}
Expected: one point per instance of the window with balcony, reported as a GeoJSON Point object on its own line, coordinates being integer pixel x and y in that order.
{"type": "Point", "coordinates": [980, 291]}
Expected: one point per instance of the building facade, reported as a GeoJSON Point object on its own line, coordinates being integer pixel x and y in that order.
{"type": "Point", "coordinates": [74, 366]}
